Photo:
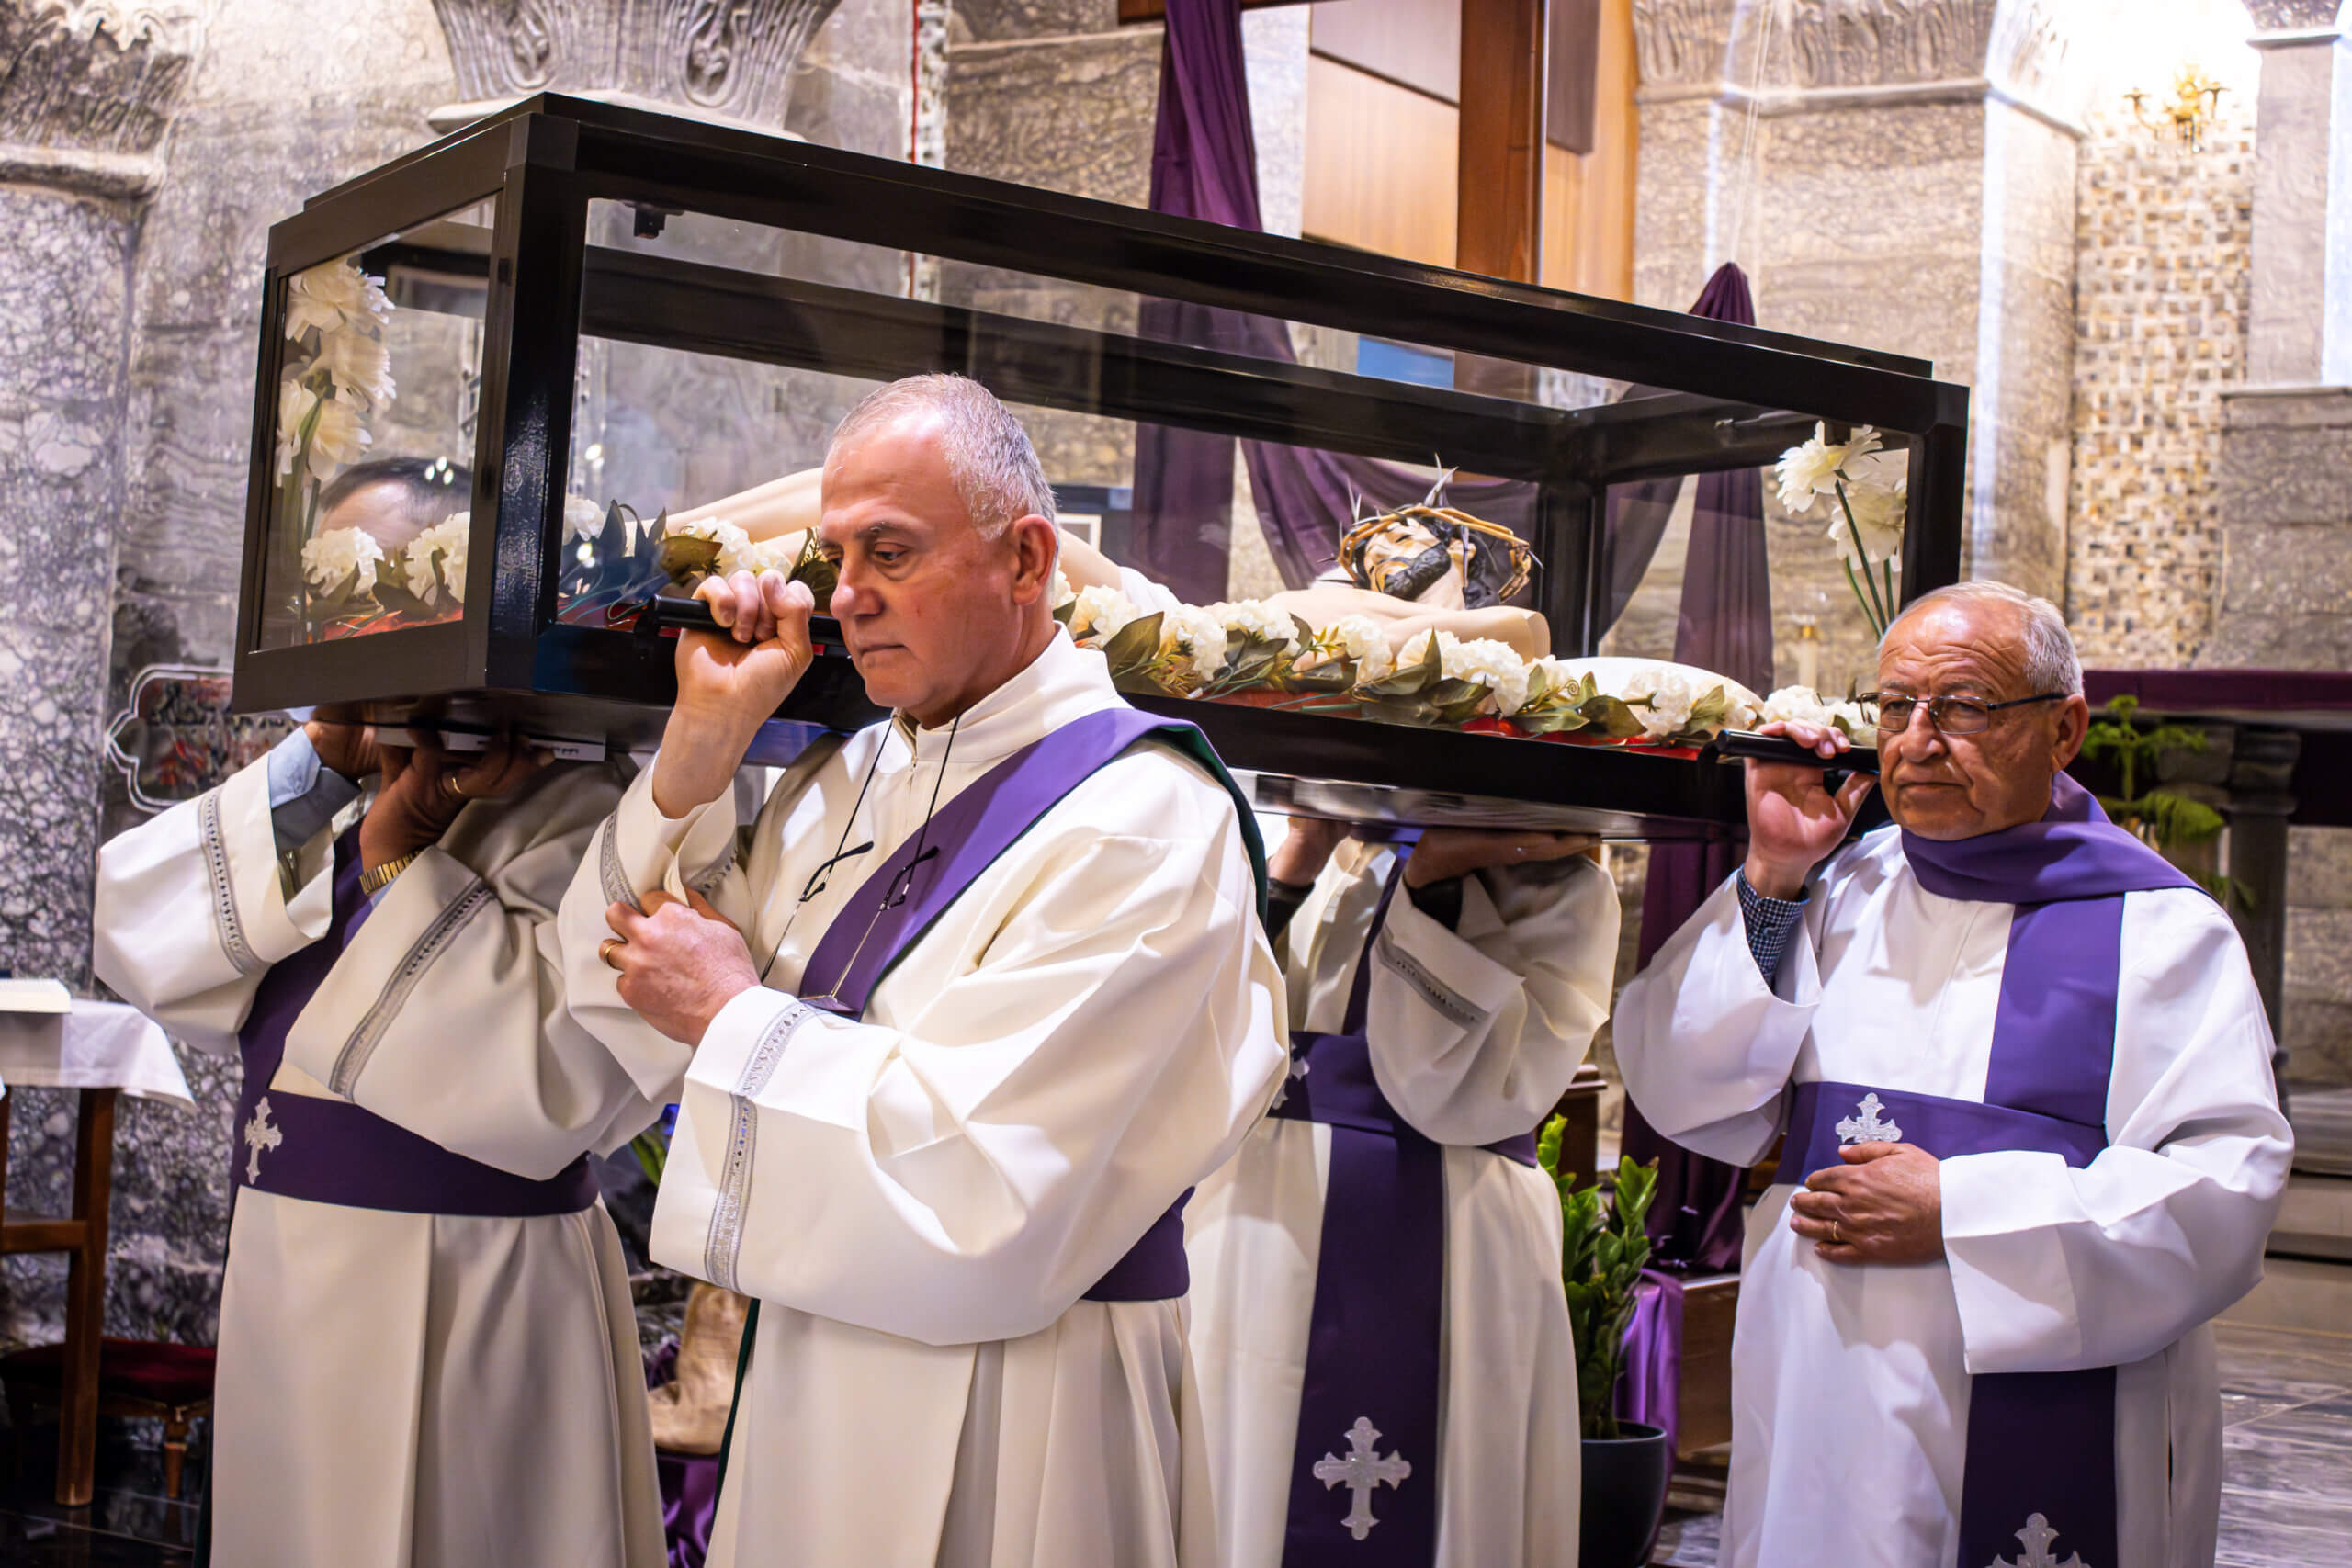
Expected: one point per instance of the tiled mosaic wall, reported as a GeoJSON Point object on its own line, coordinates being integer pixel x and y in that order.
{"type": "Point", "coordinates": [2162, 247]}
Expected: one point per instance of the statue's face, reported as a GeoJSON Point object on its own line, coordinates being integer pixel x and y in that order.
{"type": "Point", "coordinates": [1393, 559]}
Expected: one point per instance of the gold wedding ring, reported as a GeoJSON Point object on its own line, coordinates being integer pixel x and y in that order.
{"type": "Point", "coordinates": [604, 951]}
{"type": "Point", "coordinates": [1835, 1239]}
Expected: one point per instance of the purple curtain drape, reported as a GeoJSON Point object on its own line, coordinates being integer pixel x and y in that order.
{"type": "Point", "coordinates": [1204, 165]}
{"type": "Point", "coordinates": [1725, 626]}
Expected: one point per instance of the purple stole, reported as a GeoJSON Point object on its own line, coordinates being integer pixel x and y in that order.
{"type": "Point", "coordinates": [2040, 1452]}
{"type": "Point", "coordinates": [917, 882]}
{"type": "Point", "coordinates": [914, 885]}
{"type": "Point", "coordinates": [330, 1151]}
{"type": "Point", "coordinates": [1371, 1378]}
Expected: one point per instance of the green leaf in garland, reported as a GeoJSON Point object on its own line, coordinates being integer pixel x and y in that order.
{"type": "Point", "coordinates": [820, 574]}
{"type": "Point", "coordinates": [688, 560]}
{"type": "Point", "coordinates": [1411, 680]}
{"type": "Point", "coordinates": [1611, 716]}
{"type": "Point", "coordinates": [1136, 644]}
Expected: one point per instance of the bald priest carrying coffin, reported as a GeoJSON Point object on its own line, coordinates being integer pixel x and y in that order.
{"type": "Point", "coordinates": [2033, 1144]}
{"type": "Point", "coordinates": [982, 997]}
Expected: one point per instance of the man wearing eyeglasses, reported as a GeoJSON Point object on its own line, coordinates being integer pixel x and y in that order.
{"type": "Point", "coordinates": [2031, 1141]}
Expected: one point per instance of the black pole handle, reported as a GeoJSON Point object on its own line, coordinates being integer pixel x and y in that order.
{"type": "Point", "coordinates": [665, 612]}
{"type": "Point", "coordinates": [1745, 745]}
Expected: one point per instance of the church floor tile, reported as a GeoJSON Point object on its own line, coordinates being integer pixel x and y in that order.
{"type": "Point", "coordinates": [2286, 1457]}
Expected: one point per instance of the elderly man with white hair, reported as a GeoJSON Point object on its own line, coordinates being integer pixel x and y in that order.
{"type": "Point", "coordinates": [2032, 1143]}
{"type": "Point", "coordinates": [979, 998]}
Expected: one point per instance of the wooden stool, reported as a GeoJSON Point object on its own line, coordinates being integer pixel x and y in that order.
{"type": "Point", "coordinates": [82, 1237]}
{"type": "Point", "coordinates": [138, 1378]}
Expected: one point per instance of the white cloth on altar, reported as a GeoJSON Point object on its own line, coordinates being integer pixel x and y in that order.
{"type": "Point", "coordinates": [396, 1390]}
{"type": "Point", "coordinates": [96, 1045]}
{"type": "Point", "coordinates": [1473, 1034]}
{"type": "Point", "coordinates": [921, 1198]}
{"type": "Point", "coordinates": [1849, 1383]}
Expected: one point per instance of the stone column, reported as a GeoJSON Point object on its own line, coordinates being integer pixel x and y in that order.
{"type": "Point", "coordinates": [1898, 174]}
{"type": "Point", "coordinates": [86, 96]}
{"type": "Point", "coordinates": [2302, 198]}
{"type": "Point", "coordinates": [2285, 598]}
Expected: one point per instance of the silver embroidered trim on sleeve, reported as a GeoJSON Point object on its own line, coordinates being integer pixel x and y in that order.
{"type": "Point", "coordinates": [1449, 1002]}
{"type": "Point", "coordinates": [714, 873]}
{"type": "Point", "coordinates": [726, 1240]}
{"type": "Point", "coordinates": [608, 865]}
{"type": "Point", "coordinates": [225, 920]}
{"type": "Point", "coordinates": [429, 946]}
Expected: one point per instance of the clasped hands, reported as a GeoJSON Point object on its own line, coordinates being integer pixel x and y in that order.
{"type": "Point", "coordinates": [1884, 1204]}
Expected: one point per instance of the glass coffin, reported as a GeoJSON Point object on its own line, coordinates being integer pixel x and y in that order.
{"type": "Point", "coordinates": [1407, 543]}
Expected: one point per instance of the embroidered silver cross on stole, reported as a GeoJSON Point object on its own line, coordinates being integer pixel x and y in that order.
{"type": "Point", "coordinates": [260, 1136]}
{"type": "Point", "coordinates": [1361, 1472]}
{"type": "Point", "coordinates": [1297, 1071]}
{"type": "Point", "coordinates": [2037, 1537]}
{"type": "Point", "coordinates": [1867, 1128]}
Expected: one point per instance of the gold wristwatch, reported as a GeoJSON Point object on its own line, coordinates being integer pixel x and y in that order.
{"type": "Point", "coordinates": [374, 881]}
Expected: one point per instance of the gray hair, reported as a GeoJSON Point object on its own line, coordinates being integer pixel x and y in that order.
{"type": "Point", "coordinates": [989, 454]}
{"type": "Point", "coordinates": [2051, 663]}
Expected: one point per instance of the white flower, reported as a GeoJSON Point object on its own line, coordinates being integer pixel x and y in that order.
{"type": "Point", "coordinates": [582, 519]}
{"type": "Point", "coordinates": [359, 364]}
{"type": "Point", "coordinates": [730, 540]}
{"type": "Point", "coordinates": [1815, 467]}
{"type": "Point", "coordinates": [1661, 698]}
{"type": "Point", "coordinates": [1358, 637]}
{"type": "Point", "coordinates": [1198, 636]}
{"type": "Point", "coordinates": [1878, 512]}
{"type": "Point", "coordinates": [331, 294]}
{"type": "Point", "coordinates": [767, 555]}
{"type": "Point", "coordinates": [334, 555]}
{"type": "Point", "coordinates": [1063, 592]}
{"type": "Point", "coordinates": [1850, 717]}
{"type": "Point", "coordinates": [338, 435]}
{"type": "Point", "coordinates": [1256, 621]}
{"type": "Point", "coordinates": [445, 538]}
{"type": "Point", "coordinates": [1795, 705]}
{"type": "Point", "coordinates": [1494, 665]}
{"type": "Point", "coordinates": [1099, 614]}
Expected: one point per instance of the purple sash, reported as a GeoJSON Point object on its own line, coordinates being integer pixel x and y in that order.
{"type": "Point", "coordinates": [914, 885]}
{"type": "Point", "coordinates": [2041, 1450]}
{"type": "Point", "coordinates": [1368, 1408]}
{"type": "Point", "coordinates": [330, 1151]}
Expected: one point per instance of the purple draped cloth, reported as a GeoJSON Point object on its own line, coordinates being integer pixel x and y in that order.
{"type": "Point", "coordinates": [1725, 626]}
{"type": "Point", "coordinates": [1204, 165]}
{"type": "Point", "coordinates": [689, 1482]}
{"type": "Point", "coordinates": [1649, 1388]}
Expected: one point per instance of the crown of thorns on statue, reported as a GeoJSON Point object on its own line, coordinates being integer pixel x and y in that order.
{"type": "Point", "coordinates": [1495, 562]}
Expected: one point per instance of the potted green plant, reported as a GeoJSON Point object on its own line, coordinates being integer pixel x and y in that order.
{"type": "Point", "coordinates": [1626, 1463]}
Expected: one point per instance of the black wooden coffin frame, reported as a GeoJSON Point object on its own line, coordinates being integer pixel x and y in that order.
{"type": "Point", "coordinates": [542, 162]}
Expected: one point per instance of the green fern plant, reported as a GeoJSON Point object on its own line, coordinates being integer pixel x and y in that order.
{"type": "Point", "coordinates": [1602, 1250]}
{"type": "Point", "coordinates": [2160, 817]}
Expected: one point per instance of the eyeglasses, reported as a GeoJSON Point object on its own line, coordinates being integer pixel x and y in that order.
{"type": "Point", "coordinates": [1947, 715]}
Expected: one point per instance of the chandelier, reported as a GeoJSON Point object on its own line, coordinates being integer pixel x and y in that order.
{"type": "Point", "coordinates": [2183, 122]}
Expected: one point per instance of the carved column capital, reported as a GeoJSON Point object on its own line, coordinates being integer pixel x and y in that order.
{"type": "Point", "coordinates": [88, 88]}
{"type": "Point", "coordinates": [2294, 16]}
{"type": "Point", "coordinates": [1682, 42]}
{"type": "Point", "coordinates": [719, 59]}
